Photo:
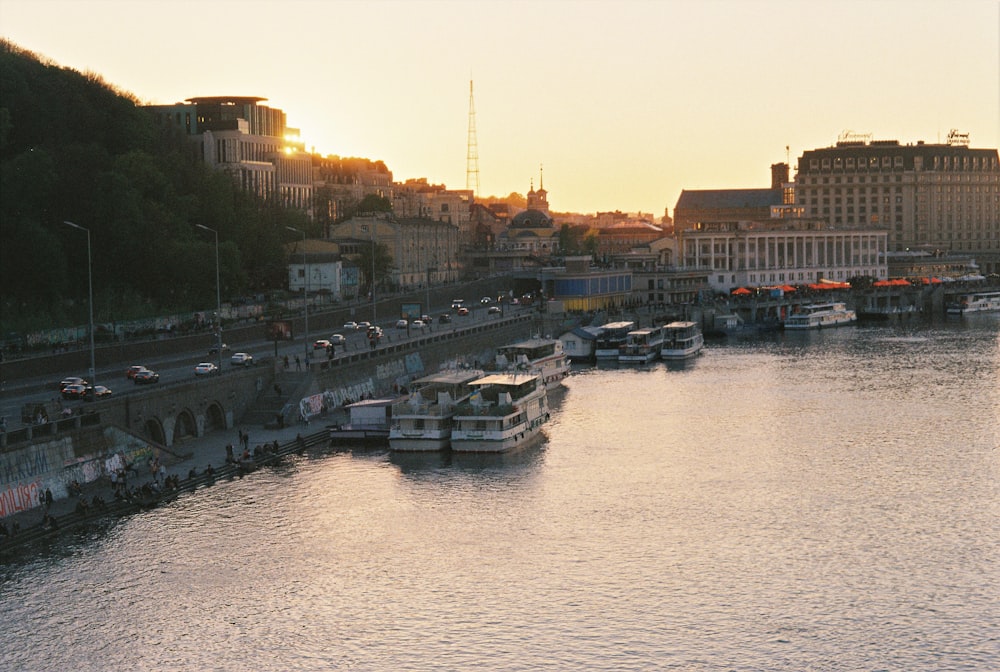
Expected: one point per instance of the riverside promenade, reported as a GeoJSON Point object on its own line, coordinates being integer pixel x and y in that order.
{"type": "Point", "coordinates": [29, 529]}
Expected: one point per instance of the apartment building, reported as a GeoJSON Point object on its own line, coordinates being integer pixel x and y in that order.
{"type": "Point", "coordinates": [249, 141]}
{"type": "Point", "coordinates": [939, 198]}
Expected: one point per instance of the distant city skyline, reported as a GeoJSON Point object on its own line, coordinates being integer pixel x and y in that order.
{"type": "Point", "coordinates": [625, 104]}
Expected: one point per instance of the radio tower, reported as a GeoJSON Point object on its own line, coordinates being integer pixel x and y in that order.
{"type": "Point", "coordinates": [472, 152]}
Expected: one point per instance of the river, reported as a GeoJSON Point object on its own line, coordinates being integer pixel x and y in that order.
{"type": "Point", "coordinates": [820, 501]}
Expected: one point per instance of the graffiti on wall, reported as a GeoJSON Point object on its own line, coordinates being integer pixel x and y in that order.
{"type": "Point", "coordinates": [19, 497]}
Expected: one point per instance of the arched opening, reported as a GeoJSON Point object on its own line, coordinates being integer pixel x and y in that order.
{"type": "Point", "coordinates": [214, 418]}
{"type": "Point", "coordinates": [154, 431]}
{"type": "Point", "coordinates": [184, 427]}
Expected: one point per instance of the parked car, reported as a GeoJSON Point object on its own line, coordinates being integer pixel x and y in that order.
{"type": "Point", "coordinates": [493, 310]}
{"type": "Point", "coordinates": [75, 391]}
{"type": "Point", "coordinates": [444, 318]}
{"type": "Point", "coordinates": [242, 359]}
{"type": "Point", "coordinates": [338, 339]}
{"type": "Point", "coordinates": [96, 392]}
{"type": "Point", "coordinates": [134, 369]}
{"type": "Point", "coordinates": [321, 344]}
{"type": "Point", "coordinates": [146, 377]}
{"type": "Point", "coordinates": [462, 311]}
{"type": "Point", "coordinates": [205, 369]}
{"type": "Point", "coordinates": [402, 324]}
{"type": "Point", "coordinates": [351, 326]}
{"type": "Point", "coordinates": [72, 380]}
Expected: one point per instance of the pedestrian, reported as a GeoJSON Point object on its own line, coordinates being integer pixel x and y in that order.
{"type": "Point", "coordinates": [48, 499]}
{"type": "Point", "coordinates": [286, 362]}
{"type": "Point", "coordinates": [298, 363]}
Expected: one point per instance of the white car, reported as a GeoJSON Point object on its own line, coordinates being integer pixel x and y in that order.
{"type": "Point", "coordinates": [418, 324]}
{"type": "Point", "coordinates": [485, 300]}
{"type": "Point", "coordinates": [338, 339]}
{"type": "Point", "coordinates": [402, 324]}
{"type": "Point", "coordinates": [205, 369]}
{"type": "Point", "coordinates": [242, 359]}
{"type": "Point", "coordinates": [352, 326]}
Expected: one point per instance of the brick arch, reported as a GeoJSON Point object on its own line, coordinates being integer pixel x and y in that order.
{"type": "Point", "coordinates": [215, 417]}
{"type": "Point", "coordinates": [153, 429]}
{"type": "Point", "coordinates": [185, 427]}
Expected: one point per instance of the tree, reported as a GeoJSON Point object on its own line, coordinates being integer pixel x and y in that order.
{"type": "Point", "coordinates": [383, 264]}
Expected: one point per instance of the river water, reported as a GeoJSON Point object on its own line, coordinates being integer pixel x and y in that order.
{"type": "Point", "coordinates": [816, 501]}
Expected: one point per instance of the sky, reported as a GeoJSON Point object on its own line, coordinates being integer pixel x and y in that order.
{"type": "Point", "coordinates": [610, 105]}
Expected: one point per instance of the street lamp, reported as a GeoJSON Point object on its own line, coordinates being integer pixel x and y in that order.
{"type": "Point", "coordinates": [306, 294]}
{"type": "Point", "coordinates": [374, 318]}
{"type": "Point", "coordinates": [90, 290]}
{"type": "Point", "coordinates": [218, 291]}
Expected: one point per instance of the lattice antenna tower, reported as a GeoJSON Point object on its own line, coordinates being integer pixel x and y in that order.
{"type": "Point", "coordinates": [472, 151]}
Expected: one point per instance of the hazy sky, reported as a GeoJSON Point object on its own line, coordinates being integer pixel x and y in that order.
{"type": "Point", "coordinates": [625, 103]}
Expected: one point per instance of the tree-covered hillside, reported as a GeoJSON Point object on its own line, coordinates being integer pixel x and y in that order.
{"type": "Point", "coordinates": [72, 148]}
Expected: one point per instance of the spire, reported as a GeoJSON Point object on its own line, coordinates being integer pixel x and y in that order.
{"type": "Point", "coordinates": [541, 178]}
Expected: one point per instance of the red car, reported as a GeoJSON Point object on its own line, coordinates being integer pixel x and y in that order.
{"type": "Point", "coordinates": [132, 370]}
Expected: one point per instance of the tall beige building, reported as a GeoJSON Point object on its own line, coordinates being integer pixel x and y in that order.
{"type": "Point", "coordinates": [938, 198]}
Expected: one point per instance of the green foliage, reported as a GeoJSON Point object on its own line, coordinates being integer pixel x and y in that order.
{"type": "Point", "coordinates": [75, 149]}
{"type": "Point", "coordinates": [383, 263]}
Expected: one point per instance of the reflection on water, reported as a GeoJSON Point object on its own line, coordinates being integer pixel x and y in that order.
{"type": "Point", "coordinates": [800, 501]}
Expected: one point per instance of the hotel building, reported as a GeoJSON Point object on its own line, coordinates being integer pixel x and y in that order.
{"type": "Point", "coordinates": [937, 198]}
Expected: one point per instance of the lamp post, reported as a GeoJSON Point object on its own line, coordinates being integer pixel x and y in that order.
{"type": "Point", "coordinates": [218, 292]}
{"type": "Point", "coordinates": [306, 293]}
{"type": "Point", "coordinates": [374, 318]}
{"type": "Point", "coordinates": [90, 291]}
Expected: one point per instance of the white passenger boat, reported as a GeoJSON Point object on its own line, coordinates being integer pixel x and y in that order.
{"type": "Point", "coordinates": [681, 340]}
{"type": "Point", "coordinates": [423, 420]}
{"type": "Point", "coordinates": [504, 412]}
{"type": "Point", "coordinates": [821, 316]}
{"type": "Point", "coordinates": [611, 339]}
{"type": "Point", "coordinates": [641, 346]}
{"type": "Point", "coordinates": [544, 356]}
{"type": "Point", "coordinates": [976, 302]}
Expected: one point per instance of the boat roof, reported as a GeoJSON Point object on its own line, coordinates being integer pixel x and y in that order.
{"type": "Point", "coordinates": [382, 401]}
{"type": "Point", "coordinates": [681, 325]}
{"type": "Point", "coordinates": [450, 376]}
{"type": "Point", "coordinates": [529, 343]}
{"type": "Point", "coordinates": [505, 378]}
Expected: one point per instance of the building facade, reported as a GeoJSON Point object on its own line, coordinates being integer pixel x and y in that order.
{"type": "Point", "coordinates": [247, 140]}
{"type": "Point", "coordinates": [939, 198]}
{"type": "Point", "coordinates": [781, 251]}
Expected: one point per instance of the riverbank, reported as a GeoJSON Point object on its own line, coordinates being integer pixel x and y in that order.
{"type": "Point", "coordinates": [203, 463]}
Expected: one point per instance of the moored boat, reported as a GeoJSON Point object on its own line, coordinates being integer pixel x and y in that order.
{"type": "Point", "coordinates": [542, 355]}
{"type": "Point", "coordinates": [423, 421]}
{"type": "Point", "coordinates": [641, 346]}
{"type": "Point", "coordinates": [504, 412]}
{"type": "Point", "coordinates": [611, 339]}
{"type": "Point", "coordinates": [821, 316]}
{"type": "Point", "coordinates": [681, 340]}
{"type": "Point", "coordinates": [368, 424]}
{"type": "Point", "coordinates": [976, 302]}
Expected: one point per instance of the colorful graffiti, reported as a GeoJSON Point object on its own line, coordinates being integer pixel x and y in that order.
{"type": "Point", "coordinates": [20, 497]}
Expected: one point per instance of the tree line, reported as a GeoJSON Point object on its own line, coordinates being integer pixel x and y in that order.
{"type": "Point", "coordinates": [73, 148]}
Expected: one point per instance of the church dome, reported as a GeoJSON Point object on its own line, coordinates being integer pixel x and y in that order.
{"type": "Point", "coordinates": [531, 219]}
